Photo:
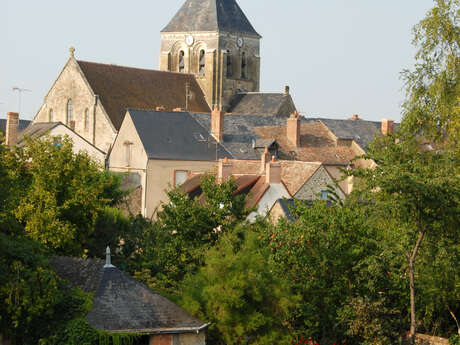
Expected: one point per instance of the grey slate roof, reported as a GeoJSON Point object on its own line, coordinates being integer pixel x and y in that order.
{"type": "Point", "coordinates": [23, 124]}
{"type": "Point", "coordinates": [210, 15]}
{"type": "Point", "coordinates": [361, 131]}
{"type": "Point", "coordinates": [122, 304]}
{"type": "Point", "coordinates": [239, 136]}
{"type": "Point", "coordinates": [175, 135]}
{"type": "Point", "coordinates": [37, 129]}
{"type": "Point", "coordinates": [256, 103]}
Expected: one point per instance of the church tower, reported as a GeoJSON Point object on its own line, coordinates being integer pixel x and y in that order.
{"type": "Point", "coordinates": [214, 40]}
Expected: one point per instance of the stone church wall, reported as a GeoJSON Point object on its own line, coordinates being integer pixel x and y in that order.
{"type": "Point", "coordinates": [71, 85]}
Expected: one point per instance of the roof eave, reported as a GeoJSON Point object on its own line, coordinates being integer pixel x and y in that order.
{"type": "Point", "coordinates": [156, 331]}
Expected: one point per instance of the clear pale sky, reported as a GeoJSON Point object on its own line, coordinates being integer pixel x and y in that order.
{"type": "Point", "coordinates": [340, 57]}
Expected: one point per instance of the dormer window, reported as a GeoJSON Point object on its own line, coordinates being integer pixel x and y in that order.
{"type": "Point", "coordinates": [244, 66]}
{"type": "Point", "coordinates": [69, 111]}
{"type": "Point", "coordinates": [229, 65]}
{"type": "Point", "coordinates": [181, 61]}
{"type": "Point", "coordinates": [202, 63]}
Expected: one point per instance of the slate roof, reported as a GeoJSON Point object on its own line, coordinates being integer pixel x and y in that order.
{"type": "Point", "coordinates": [210, 15]}
{"type": "Point", "coordinates": [120, 88]}
{"type": "Point", "coordinates": [122, 304]}
{"type": "Point", "coordinates": [23, 124]}
{"type": "Point", "coordinates": [175, 135]}
{"type": "Point", "coordinates": [38, 129]}
{"type": "Point", "coordinates": [256, 103]}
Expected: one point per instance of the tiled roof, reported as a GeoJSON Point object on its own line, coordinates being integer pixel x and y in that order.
{"type": "Point", "coordinates": [210, 15]}
{"type": "Point", "coordinates": [120, 88]}
{"type": "Point", "coordinates": [175, 135]}
{"type": "Point", "coordinates": [255, 103]}
{"type": "Point", "coordinates": [122, 304]}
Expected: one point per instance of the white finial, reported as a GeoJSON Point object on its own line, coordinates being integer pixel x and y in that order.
{"type": "Point", "coordinates": [72, 51]}
{"type": "Point", "coordinates": [108, 259]}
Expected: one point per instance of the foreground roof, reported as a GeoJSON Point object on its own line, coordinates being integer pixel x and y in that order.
{"type": "Point", "coordinates": [120, 88]}
{"type": "Point", "coordinates": [175, 135]}
{"type": "Point", "coordinates": [121, 303]}
{"type": "Point", "coordinates": [210, 15]}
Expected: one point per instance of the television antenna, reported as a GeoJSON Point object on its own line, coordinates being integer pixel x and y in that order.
{"type": "Point", "coordinates": [20, 91]}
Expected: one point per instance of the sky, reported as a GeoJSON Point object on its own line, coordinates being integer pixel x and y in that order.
{"type": "Point", "coordinates": [339, 57]}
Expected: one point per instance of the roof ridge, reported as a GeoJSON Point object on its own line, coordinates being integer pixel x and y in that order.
{"type": "Point", "coordinates": [135, 68]}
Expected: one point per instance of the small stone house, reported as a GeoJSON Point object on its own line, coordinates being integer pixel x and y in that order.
{"type": "Point", "coordinates": [121, 304]}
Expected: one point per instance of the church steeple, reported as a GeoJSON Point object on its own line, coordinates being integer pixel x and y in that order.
{"type": "Point", "coordinates": [210, 15]}
{"type": "Point", "coordinates": [214, 40]}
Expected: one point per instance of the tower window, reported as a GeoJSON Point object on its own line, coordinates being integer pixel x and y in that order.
{"type": "Point", "coordinates": [244, 66]}
{"type": "Point", "coordinates": [86, 120]}
{"type": "Point", "coordinates": [181, 61]}
{"type": "Point", "coordinates": [69, 111]}
{"type": "Point", "coordinates": [202, 63]}
{"type": "Point", "coordinates": [51, 116]}
{"type": "Point", "coordinates": [229, 65]}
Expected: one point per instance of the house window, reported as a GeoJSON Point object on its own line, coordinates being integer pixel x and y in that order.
{"type": "Point", "coordinates": [244, 66]}
{"type": "Point", "coordinates": [181, 61]}
{"type": "Point", "coordinates": [324, 195]}
{"type": "Point", "coordinates": [86, 120]}
{"type": "Point", "coordinates": [128, 153]}
{"type": "Point", "coordinates": [180, 176]}
{"type": "Point", "coordinates": [69, 111]}
{"type": "Point", "coordinates": [229, 65]}
{"type": "Point", "coordinates": [51, 116]}
{"type": "Point", "coordinates": [202, 63]}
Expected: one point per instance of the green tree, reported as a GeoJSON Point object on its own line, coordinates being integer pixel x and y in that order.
{"type": "Point", "coordinates": [419, 189]}
{"type": "Point", "coordinates": [238, 292]}
{"type": "Point", "coordinates": [64, 194]}
{"type": "Point", "coordinates": [176, 243]}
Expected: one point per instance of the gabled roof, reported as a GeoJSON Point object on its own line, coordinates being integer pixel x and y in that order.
{"type": "Point", "coordinates": [37, 130]}
{"type": "Point", "coordinates": [122, 304]}
{"type": "Point", "coordinates": [175, 135]}
{"type": "Point", "coordinates": [210, 15]}
{"type": "Point", "coordinates": [120, 88]}
{"type": "Point", "coordinates": [256, 103]}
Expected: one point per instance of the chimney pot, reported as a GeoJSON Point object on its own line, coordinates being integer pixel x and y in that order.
{"type": "Point", "coordinates": [354, 117]}
{"type": "Point", "coordinates": [12, 128]}
{"type": "Point", "coordinates": [224, 170]}
{"type": "Point", "coordinates": [273, 172]}
{"type": "Point", "coordinates": [264, 159]}
{"type": "Point", "coordinates": [387, 126]}
{"type": "Point", "coordinates": [217, 124]}
{"type": "Point", "coordinates": [293, 129]}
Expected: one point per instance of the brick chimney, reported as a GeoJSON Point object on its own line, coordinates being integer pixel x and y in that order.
{"type": "Point", "coordinates": [217, 124]}
{"type": "Point", "coordinates": [264, 159]}
{"type": "Point", "coordinates": [355, 117]}
{"type": "Point", "coordinates": [224, 170]}
{"type": "Point", "coordinates": [12, 129]}
{"type": "Point", "coordinates": [273, 172]}
{"type": "Point", "coordinates": [388, 126]}
{"type": "Point", "coordinates": [72, 125]}
{"type": "Point", "coordinates": [293, 129]}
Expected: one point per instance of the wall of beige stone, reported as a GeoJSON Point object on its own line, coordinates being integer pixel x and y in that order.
{"type": "Point", "coordinates": [422, 339]}
{"type": "Point", "coordinates": [160, 179]}
{"type": "Point", "coordinates": [192, 339]}
{"type": "Point", "coordinates": [317, 183]}
{"type": "Point", "coordinates": [217, 88]}
{"type": "Point", "coordinates": [70, 84]}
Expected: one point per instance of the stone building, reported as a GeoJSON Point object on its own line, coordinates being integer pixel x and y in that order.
{"type": "Point", "coordinates": [214, 40]}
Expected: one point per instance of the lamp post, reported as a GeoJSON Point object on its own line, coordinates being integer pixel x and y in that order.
{"type": "Point", "coordinates": [20, 91]}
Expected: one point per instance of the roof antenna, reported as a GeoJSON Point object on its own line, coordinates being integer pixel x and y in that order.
{"type": "Point", "coordinates": [108, 259]}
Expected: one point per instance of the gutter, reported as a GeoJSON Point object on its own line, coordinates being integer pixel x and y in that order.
{"type": "Point", "coordinates": [158, 331]}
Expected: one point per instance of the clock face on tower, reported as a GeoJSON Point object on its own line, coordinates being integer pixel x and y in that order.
{"type": "Point", "coordinates": [189, 40]}
{"type": "Point", "coordinates": [239, 42]}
